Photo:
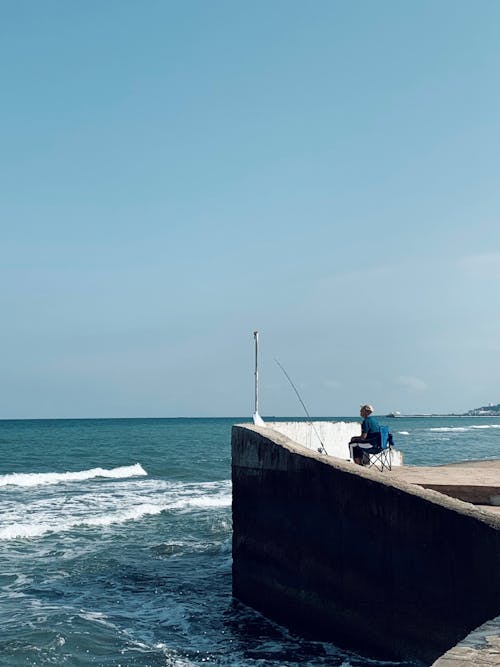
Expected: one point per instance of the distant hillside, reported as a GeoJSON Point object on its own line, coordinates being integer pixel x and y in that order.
{"type": "Point", "coordinates": [485, 411]}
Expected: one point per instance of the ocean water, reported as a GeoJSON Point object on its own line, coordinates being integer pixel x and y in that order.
{"type": "Point", "coordinates": [115, 542]}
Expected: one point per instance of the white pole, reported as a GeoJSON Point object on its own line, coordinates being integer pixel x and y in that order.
{"type": "Point", "coordinates": [257, 419]}
{"type": "Point", "coordinates": [256, 338]}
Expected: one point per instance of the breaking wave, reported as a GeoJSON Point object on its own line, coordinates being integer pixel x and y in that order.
{"type": "Point", "coordinates": [447, 429]}
{"type": "Point", "coordinates": [472, 427]}
{"type": "Point", "coordinates": [20, 530]}
{"type": "Point", "coordinates": [54, 510]}
{"type": "Point", "coordinates": [46, 478]}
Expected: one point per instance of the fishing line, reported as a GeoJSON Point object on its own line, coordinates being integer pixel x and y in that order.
{"type": "Point", "coordinates": [321, 449]}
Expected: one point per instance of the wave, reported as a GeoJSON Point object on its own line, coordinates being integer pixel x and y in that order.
{"type": "Point", "coordinates": [205, 502]}
{"type": "Point", "coordinates": [19, 530]}
{"type": "Point", "coordinates": [46, 478]}
{"type": "Point", "coordinates": [39, 528]}
{"type": "Point", "coordinates": [472, 427]}
{"type": "Point", "coordinates": [403, 433]}
{"type": "Point", "coordinates": [447, 429]}
{"type": "Point", "coordinates": [103, 507]}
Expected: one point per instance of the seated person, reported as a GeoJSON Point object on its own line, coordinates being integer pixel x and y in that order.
{"type": "Point", "coordinates": [369, 440]}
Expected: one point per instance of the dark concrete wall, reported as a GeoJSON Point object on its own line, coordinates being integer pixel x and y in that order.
{"type": "Point", "coordinates": [344, 554]}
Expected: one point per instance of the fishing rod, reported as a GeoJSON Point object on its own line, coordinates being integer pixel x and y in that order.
{"type": "Point", "coordinates": [321, 449]}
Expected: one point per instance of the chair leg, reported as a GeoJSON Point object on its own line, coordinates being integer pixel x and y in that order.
{"type": "Point", "coordinates": [381, 461]}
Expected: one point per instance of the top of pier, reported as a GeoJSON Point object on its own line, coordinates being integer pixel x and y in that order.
{"type": "Point", "coordinates": [476, 482]}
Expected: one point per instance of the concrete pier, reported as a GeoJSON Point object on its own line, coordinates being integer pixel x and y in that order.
{"type": "Point", "coordinates": [476, 482]}
{"type": "Point", "coordinates": [371, 561]}
{"type": "Point", "coordinates": [481, 648]}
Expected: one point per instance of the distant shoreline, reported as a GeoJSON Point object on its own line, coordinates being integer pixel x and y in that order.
{"type": "Point", "coordinates": [443, 415]}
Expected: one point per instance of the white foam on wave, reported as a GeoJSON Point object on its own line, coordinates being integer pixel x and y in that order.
{"type": "Point", "coordinates": [173, 659]}
{"type": "Point", "coordinates": [27, 530]}
{"type": "Point", "coordinates": [447, 429]}
{"type": "Point", "coordinates": [203, 502]}
{"type": "Point", "coordinates": [96, 617]}
{"type": "Point", "coordinates": [403, 433]}
{"type": "Point", "coordinates": [462, 429]}
{"type": "Point", "coordinates": [45, 478]}
{"type": "Point", "coordinates": [109, 503]}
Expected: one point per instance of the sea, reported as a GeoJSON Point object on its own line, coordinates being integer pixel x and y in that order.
{"type": "Point", "coordinates": [115, 542]}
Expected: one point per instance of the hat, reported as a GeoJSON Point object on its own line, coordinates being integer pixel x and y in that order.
{"type": "Point", "coordinates": [368, 408]}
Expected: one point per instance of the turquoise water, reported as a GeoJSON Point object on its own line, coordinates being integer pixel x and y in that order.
{"type": "Point", "coordinates": [115, 542]}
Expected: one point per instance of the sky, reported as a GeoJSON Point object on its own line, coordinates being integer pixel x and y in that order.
{"type": "Point", "coordinates": [177, 174]}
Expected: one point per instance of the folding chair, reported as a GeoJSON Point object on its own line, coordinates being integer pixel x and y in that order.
{"type": "Point", "coordinates": [381, 457]}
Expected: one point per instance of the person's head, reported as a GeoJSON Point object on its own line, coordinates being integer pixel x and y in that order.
{"type": "Point", "coordinates": [366, 410]}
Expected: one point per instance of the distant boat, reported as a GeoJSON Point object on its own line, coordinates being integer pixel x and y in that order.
{"type": "Point", "coordinates": [394, 414]}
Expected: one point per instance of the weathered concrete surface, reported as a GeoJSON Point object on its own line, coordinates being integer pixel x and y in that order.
{"type": "Point", "coordinates": [481, 648]}
{"type": "Point", "coordinates": [475, 482]}
{"type": "Point", "coordinates": [334, 436]}
{"type": "Point", "coordinates": [358, 557]}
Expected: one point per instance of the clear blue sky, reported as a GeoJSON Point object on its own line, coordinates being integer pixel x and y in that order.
{"type": "Point", "coordinates": [176, 174]}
